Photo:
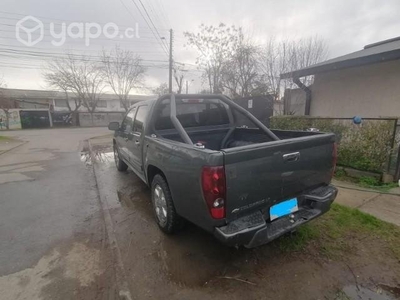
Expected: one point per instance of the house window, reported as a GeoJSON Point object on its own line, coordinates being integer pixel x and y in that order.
{"type": "Point", "coordinates": [102, 103]}
{"type": "Point", "coordinates": [60, 103]}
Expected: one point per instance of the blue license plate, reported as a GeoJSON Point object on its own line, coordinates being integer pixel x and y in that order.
{"type": "Point", "coordinates": [284, 208]}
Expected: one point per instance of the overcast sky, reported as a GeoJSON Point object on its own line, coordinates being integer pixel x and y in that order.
{"type": "Point", "coordinates": [345, 25]}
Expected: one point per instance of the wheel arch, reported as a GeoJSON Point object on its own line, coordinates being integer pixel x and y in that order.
{"type": "Point", "coordinates": [152, 171]}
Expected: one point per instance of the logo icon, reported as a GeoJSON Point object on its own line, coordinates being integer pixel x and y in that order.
{"type": "Point", "coordinates": [32, 30]}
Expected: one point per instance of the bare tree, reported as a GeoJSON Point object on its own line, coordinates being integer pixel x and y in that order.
{"type": "Point", "coordinates": [65, 75]}
{"type": "Point", "coordinates": [123, 71]}
{"type": "Point", "coordinates": [240, 75]}
{"type": "Point", "coordinates": [178, 76]}
{"type": "Point", "coordinates": [215, 46]}
{"type": "Point", "coordinates": [5, 104]}
{"type": "Point", "coordinates": [78, 75]}
{"type": "Point", "coordinates": [279, 57]}
{"type": "Point", "coordinates": [162, 89]}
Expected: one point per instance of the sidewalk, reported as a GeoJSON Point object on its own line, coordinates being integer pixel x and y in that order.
{"type": "Point", "coordinates": [7, 144]}
{"type": "Point", "coordinates": [385, 206]}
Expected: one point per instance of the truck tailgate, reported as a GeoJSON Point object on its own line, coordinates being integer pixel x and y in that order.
{"type": "Point", "coordinates": [261, 175]}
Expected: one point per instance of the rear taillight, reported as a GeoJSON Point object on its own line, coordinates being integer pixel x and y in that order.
{"type": "Point", "coordinates": [334, 158]}
{"type": "Point", "coordinates": [214, 190]}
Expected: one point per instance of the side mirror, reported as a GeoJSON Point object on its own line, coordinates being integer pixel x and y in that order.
{"type": "Point", "coordinates": [113, 126]}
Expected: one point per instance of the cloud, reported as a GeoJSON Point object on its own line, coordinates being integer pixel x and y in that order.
{"type": "Point", "coordinates": [346, 25]}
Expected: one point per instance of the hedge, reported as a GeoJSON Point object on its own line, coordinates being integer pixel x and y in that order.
{"type": "Point", "coordinates": [364, 147]}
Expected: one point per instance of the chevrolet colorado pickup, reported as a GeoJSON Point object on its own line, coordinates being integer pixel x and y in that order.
{"type": "Point", "coordinates": [209, 161]}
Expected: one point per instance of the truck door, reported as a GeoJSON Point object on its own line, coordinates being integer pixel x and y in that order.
{"type": "Point", "coordinates": [135, 144]}
{"type": "Point", "coordinates": [124, 133]}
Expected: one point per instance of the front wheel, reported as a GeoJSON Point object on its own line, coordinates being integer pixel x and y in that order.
{"type": "Point", "coordinates": [121, 166]}
{"type": "Point", "coordinates": [163, 206]}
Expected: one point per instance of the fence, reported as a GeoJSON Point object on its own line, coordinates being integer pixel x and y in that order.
{"type": "Point", "coordinates": [99, 118]}
{"type": "Point", "coordinates": [371, 146]}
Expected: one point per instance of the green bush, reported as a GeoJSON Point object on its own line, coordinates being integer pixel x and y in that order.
{"type": "Point", "coordinates": [364, 147]}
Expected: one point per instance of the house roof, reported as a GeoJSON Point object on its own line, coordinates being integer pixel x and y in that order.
{"type": "Point", "coordinates": [371, 54]}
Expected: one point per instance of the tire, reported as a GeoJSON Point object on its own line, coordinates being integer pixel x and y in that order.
{"type": "Point", "coordinates": [163, 206]}
{"type": "Point", "coordinates": [121, 166]}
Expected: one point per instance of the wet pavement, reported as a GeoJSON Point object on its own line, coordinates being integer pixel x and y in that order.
{"type": "Point", "coordinates": [53, 243]}
{"type": "Point", "coordinates": [73, 227]}
{"type": "Point", "coordinates": [194, 265]}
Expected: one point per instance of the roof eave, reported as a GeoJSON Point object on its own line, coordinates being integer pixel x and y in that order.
{"type": "Point", "coordinates": [350, 63]}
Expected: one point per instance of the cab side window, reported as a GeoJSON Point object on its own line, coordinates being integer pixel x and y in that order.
{"type": "Point", "coordinates": [127, 124]}
{"type": "Point", "coordinates": [140, 119]}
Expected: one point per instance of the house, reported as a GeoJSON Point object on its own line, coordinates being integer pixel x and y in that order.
{"type": "Point", "coordinates": [365, 83]}
{"type": "Point", "coordinates": [55, 100]}
{"type": "Point", "coordinates": [41, 108]}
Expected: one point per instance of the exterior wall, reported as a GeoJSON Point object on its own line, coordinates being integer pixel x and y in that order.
{"type": "Point", "coordinates": [99, 118]}
{"type": "Point", "coordinates": [368, 91]}
{"type": "Point", "coordinates": [112, 105]}
{"type": "Point", "coordinates": [14, 121]}
{"type": "Point", "coordinates": [278, 108]}
{"type": "Point", "coordinates": [295, 102]}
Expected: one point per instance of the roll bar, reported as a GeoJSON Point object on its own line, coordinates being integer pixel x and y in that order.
{"type": "Point", "coordinates": [182, 132]}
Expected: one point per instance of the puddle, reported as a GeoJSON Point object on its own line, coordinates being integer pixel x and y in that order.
{"type": "Point", "coordinates": [86, 159]}
{"type": "Point", "coordinates": [382, 292]}
{"type": "Point", "coordinates": [98, 156]}
{"type": "Point", "coordinates": [103, 157]}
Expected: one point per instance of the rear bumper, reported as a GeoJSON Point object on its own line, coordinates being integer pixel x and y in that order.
{"type": "Point", "coordinates": [253, 230]}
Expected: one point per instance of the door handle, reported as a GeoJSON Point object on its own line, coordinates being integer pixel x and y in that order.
{"type": "Point", "coordinates": [295, 156]}
{"type": "Point", "coordinates": [137, 142]}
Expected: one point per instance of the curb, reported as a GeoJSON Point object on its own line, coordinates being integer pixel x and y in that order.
{"type": "Point", "coordinates": [122, 282]}
{"type": "Point", "coordinates": [5, 151]}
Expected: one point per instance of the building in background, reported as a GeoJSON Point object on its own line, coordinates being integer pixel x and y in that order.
{"type": "Point", "coordinates": [365, 83]}
{"type": "Point", "coordinates": [40, 108]}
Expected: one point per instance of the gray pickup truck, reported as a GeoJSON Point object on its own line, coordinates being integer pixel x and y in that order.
{"type": "Point", "coordinates": [209, 161]}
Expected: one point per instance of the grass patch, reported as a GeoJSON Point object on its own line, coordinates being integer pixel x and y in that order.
{"type": "Point", "coordinates": [333, 233]}
{"type": "Point", "coordinates": [373, 183]}
{"type": "Point", "coordinates": [4, 138]}
{"type": "Point", "coordinates": [365, 182]}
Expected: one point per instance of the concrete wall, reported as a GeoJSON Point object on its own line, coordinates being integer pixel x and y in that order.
{"type": "Point", "coordinates": [295, 101]}
{"type": "Point", "coordinates": [112, 105]}
{"type": "Point", "coordinates": [14, 119]}
{"type": "Point", "coordinates": [368, 91]}
{"type": "Point", "coordinates": [99, 118]}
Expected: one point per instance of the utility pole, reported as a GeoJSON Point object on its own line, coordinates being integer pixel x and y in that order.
{"type": "Point", "coordinates": [170, 59]}
{"type": "Point", "coordinates": [187, 87]}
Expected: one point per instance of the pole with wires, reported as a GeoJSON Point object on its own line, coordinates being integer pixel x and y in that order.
{"type": "Point", "coordinates": [170, 59]}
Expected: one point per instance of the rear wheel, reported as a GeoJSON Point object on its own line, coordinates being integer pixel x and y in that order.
{"type": "Point", "coordinates": [163, 206]}
{"type": "Point", "coordinates": [121, 166]}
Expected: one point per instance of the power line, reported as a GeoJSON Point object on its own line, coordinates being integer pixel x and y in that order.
{"type": "Point", "coordinates": [58, 55]}
{"type": "Point", "coordinates": [166, 51]}
{"type": "Point", "coordinates": [62, 20]}
{"type": "Point", "coordinates": [164, 14]}
{"type": "Point", "coordinates": [157, 16]}
{"type": "Point", "coordinates": [151, 21]}
{"type": "Point", "coordinates": [92, 41]}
